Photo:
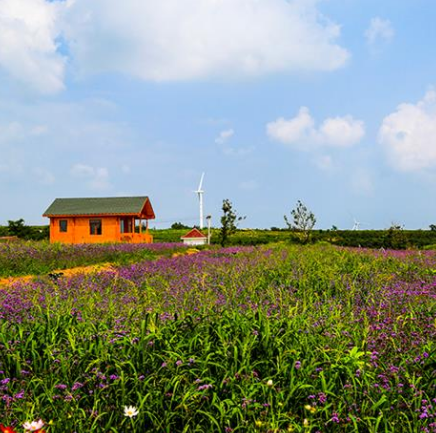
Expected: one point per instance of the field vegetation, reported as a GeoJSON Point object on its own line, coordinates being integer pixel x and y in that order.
{"type": "Point", "coordinates": [300, 230]}
{"type": "Point", "coordinates": [240, 339]}
{"type": "Point", "coordinates": [39, 258]}
{"type": "Point", "coordinates": [387, 239]}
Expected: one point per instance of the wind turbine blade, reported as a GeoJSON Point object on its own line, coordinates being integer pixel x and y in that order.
{"type": "Point", "coordinates": [201, 182]}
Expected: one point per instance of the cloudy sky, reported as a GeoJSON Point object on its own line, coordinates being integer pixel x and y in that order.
{"type": "Point", "coordinates": [329, 102]}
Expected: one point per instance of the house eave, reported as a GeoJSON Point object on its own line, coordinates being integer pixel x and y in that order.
{"type": "Point", "coordinates": [99, 215]}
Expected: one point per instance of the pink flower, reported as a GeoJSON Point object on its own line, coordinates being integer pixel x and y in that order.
{"type": "Point", "coordinates": [34, 425]}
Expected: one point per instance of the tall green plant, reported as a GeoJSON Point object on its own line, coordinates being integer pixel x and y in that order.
{"type": "Point", "coordinates": [229, 221]}
{"type": "Point", "coordinates": [303, 221]}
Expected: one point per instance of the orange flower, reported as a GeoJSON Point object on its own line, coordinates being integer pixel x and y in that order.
{"type": "Point", "coordinates": [4, 429]}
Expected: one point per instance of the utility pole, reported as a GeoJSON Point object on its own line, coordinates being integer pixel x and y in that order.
{"type": "Point", "coordinates": [209, 217]}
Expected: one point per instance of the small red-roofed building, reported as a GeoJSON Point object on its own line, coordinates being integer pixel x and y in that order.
{"type": "Point", "coordinates": [194, 237]}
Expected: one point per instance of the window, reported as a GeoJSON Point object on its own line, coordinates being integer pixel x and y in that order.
{"type": "Point", "coordinates": [95, 227]}
{"type": "Point", "coordinates": [63, 226]}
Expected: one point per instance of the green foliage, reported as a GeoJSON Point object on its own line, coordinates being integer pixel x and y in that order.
{"type": "Point", "coordinates": [395, 238]}
{"type": "Point", "coordinates": [348, 238]}
{"type": "Point", "coordinates": [303, 221]}
{"type": "Point", "coordinates": [229, 221]}
{"type": "Point", "coordinates": [19, 229]}
{"type": "Point", "coordinates": [337, 351]}
{"type": "Point", "coordinates": [179, 226]}
{"type": "Point", "coordinates": [392, 239]}
{"type": "Point", "coordinates": [167, 235]}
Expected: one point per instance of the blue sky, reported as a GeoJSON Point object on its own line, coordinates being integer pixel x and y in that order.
{"type": "Point", "coordinates": [328, 102]}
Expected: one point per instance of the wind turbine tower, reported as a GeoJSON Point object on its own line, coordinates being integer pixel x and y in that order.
{"type": "Point", "coordinates": [200, 193]}
{"type": "Point", "coordinates": [356, 225]}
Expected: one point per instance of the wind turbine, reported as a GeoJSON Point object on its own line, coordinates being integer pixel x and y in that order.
{"type": "Point", "coordinates": [200, 193]}
{"type": "Point", "coordinates": [356, 225]}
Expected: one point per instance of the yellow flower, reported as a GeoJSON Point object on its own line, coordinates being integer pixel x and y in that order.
{"type": "Point", "coordinates": [310, 408]}
{"type": "Point", "coordinates": [306, 422]}
{"type": "Point", "coordinates": [258, 423]}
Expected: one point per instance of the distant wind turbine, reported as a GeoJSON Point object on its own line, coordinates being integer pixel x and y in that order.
{"type": "Point", "coordinates": [356, 225]}
{"type": "Point", "coordinates": [200, 193]}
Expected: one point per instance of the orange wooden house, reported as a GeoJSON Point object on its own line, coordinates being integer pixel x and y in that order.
{"type": "Point", "coordinates": [97, 220]}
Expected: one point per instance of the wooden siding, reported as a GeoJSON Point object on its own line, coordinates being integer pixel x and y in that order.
{"type": "Point", "coordinates": [78, 231]}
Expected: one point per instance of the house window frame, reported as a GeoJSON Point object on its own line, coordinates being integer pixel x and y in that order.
{"type": "Point", "coordinates": [96, 227]}
{"type": "Point", "coordinates": [63, 226]}
{"type": "Point", "coordinates": [125, 225]}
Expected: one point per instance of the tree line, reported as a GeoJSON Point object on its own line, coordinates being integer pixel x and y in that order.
{"type": "Point", "coordinates": [19, 229]}
{"type": "Point", "coordinates": [300, 228]}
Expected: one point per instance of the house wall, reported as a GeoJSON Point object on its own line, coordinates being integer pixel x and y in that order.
{"type": "Point", "coordinates": [78, 231]}
{"type": "Point", "coordinates": [195, 241]}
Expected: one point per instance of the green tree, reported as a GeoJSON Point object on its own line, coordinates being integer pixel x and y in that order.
{"type": "Point", "coordinates": [229, 221]}
{"type": "Point", "coordinates": [302, 223]}
{"type": "Point", "coordinates": [18, 228]}
{"type": "Point", "coordinates": [395, 237]}
{"type": "Point", "coordinates": [179, 226]}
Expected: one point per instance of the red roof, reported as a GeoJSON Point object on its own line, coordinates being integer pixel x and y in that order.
{"type": "Point", "coordinates": [194, 233]}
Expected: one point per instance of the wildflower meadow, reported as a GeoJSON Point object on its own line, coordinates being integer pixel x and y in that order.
{"type": "Point", "coordinates": [275, 338]}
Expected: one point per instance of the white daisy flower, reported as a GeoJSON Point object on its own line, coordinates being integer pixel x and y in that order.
{"type": "Point", "coordinates": [34, 425]}
{"type": "Point", "coordinates": [130, 411]}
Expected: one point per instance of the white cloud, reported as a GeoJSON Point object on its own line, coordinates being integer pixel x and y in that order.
{"type": "Point", "coordinates": [164, 40]}
{"type": "Point", "coordinates": [227, 149]}
{"type": "Point", "coordinates": [409, 135]}
{"type": "Point", "coordinates": [28, 52]}
{"type": "Point", "coordinates": [97, 178]}
{"type": "Point", "coordinates": [379, 31]}
{"type": "Point", "coordinates": [302, 133]}
{"type": "Point", "coordinates": [341, 131]}
{"type": "Point", "coordinates": [197, 39]}
{"type": "Point", "coordinates": [224, 136]}
{"type": "Point", "coordinates": [296, 130]}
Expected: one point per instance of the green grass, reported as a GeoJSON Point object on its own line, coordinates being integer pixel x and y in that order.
{"type": "Point", "coordinates": [346, 339]}
{"type": "Point", "coordinates": [41, 257]}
